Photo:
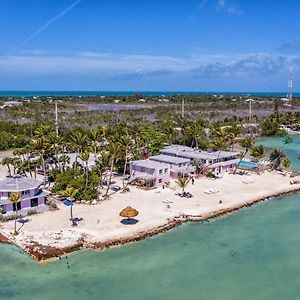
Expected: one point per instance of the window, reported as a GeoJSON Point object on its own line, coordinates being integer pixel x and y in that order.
{"type": "Point", "coordinates": [24, 193]}
{"type": "Point", "coordinates": [160, 171]}
{"type": "Point", "coordinates": [34, 202]}
{"type": "Point", "coordinates": [159, 180]}
{"type": "Point", "coordinates": [166, 170]}
{"type": "Point", "coordinates": [2, 209]}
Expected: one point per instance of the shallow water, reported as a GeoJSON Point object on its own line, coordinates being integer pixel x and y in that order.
{"type": "Point", "coordinates": [251, 254]}
{"type": "Point", "coordinates": [113, 107]}
{"type": "Point", "coordinates": [292, 149]}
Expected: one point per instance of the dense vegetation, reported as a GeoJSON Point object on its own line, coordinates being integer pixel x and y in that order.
{"type": "Point", "coordinates": [113, 138]}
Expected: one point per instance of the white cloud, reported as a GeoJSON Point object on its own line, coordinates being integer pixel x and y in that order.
{"type": "Point", "coordinates": [229, 6]}
{"type": "Point", "coordinates": [134, 66]}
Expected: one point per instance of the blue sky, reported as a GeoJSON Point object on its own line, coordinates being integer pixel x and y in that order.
{"type": "Point", "coordinates": [174, 45]}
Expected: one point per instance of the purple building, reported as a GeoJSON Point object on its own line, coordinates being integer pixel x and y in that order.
{"type": "Point", "coordinates": [31, 194]}
{"type": "Point", "coordinates": [150, 173]}
{"type": "Point", "coordinates": [179, 167]}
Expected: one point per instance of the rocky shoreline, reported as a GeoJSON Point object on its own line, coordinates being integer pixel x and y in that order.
{"type": "Point", "coordinates": [44, 253]}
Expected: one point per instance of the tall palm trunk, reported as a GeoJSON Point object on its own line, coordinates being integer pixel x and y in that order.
{"type": "Point", "coordinates": [86, 173]}
{"type": "Point", "coordinates": [124, 170]}
{"type": "Point", "coordinates": [44, 169]}
{"type": "Point", "coordinates": [110, 176]}
{"type": "Point", "coordinates": [16, 216]}
{"type": "Point", "coordinates": [242, 157]}
{"type": "Point", "coordinates": [9, 170]}
{"type": "Point", "coordinates": [71, 212]}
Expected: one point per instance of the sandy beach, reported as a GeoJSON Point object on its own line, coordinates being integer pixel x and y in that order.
{"type": "Point", "coordinates": [50, 234]}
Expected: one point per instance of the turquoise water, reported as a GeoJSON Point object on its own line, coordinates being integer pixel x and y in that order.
{"type": "Point", "coordinates": [252, 254]}
{"type": "Point", "coordinates": [292, 150]}
{"type": "Point", "coordinates": [248, 164]}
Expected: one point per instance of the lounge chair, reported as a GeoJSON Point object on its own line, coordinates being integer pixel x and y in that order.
{"type": "Point", "coordinates": [213, 190]}
{"type": "Point", "coordinates": [245, 181]}
{"type": "Point", "coordinates": [207, 192]}
{"type": "Point", "coordinates": [248, 180]}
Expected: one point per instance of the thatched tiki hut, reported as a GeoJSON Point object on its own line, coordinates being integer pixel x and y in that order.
{"type": "Point", "coordinates": [129, 213]}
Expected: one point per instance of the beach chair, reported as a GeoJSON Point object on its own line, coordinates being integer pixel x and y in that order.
{"type": "Point", "coordinates": [245, 181]}
{"type": "Point", "coordinates": [213, 190]}
{"type": "Point", "coordinates": [207, 192]}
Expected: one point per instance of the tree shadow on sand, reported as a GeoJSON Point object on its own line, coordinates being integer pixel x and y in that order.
{"type": "Point", "coordinates": [129, 221]}
{"type": "Point", "coordinates": [22, 222]}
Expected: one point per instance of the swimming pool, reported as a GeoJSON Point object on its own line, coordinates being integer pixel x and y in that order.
{"type": "Point", "coordinates": [249, 165]}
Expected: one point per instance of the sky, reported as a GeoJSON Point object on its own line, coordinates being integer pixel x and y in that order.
{"type": "Point", "coordinates": [143, 45]}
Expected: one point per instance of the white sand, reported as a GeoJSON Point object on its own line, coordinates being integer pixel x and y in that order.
{"type": "Point", "coordinates": [101, 222]}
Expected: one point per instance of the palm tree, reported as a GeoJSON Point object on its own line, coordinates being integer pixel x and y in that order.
{"type": "Point", "coordinates": [114, 150]}
{"type": "Point", "coordinates": [183, 183]}
{"type": "Point", "coordinates": [276, 157]}
{"type": "Point", "coordinates": [276, 105]}
{"type": "Point", "coordinates": [125, 143]}
{"type": "Point", "coordinates": [94, 138]}
{"type": "Point", "coordinates": [102, 165]}
{"type": "Point", "coordinates": [195, 131]}
{"type": "Point", "coordinates": [247, 143]}
{"type": "Point", "coordinates": [84, 156]}
{"type": "Point", "coordinates": [71, 193]}
{"type": "Point", "coordinates": [15, 199]}
{"type": "Point", "coordinates": [20, 152]}
{"type": "Point", "coordinates": [231, 139]}
{"type": "Point", "coordinates": [56, 145]}
{"type": "Point", "coordinates": [39, 147]}
{"type": "Point", "coordinates": [43, 131]}
{"type": "Point", "coordinates": [77, 140]}
{"type": "Point", "coordinates": [220, 133]}
{"type": "Point", "coordinates": [169, 132]}
{"type": "Point", "coordinates": [63, 160]}
{"type": "Point", "coordinates": [7, 161]}
{"type": "Point", "coordinates": [286, 163]}
{"type": "Point", "coordinates": [258, 151]}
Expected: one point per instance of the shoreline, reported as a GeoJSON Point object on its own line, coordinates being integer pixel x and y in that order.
{"type": "Point", "coordinates": [43, 254]}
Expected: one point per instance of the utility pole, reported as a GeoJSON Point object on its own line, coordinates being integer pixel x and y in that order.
{"type": "Point", "coordinates": [290, 85]}
{"type": "Point", "coordinates": [250, 108]}
{"type": "Point", "coordinates": [56, 118]}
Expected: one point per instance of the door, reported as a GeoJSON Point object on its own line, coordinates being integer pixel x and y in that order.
{"type": "Point", "coordinates": [18, 206]}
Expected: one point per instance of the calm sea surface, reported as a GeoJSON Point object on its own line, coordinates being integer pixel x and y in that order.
{"type": "Point", "coordinates": [252, 254]}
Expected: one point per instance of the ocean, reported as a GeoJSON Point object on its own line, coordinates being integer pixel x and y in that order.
{"type": "Point", "coordinates": [251, 254]}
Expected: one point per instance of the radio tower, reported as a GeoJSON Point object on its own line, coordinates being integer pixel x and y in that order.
{"type": "Point", "coordinates": [290, 86]}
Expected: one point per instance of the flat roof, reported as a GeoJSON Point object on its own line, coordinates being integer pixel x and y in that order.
{"type": "Point", "coordinates": [192, 153]}
{"type": "Point", "coordinates": [18, 184]}
{"type": "Point", "coordinates": [169, 159]}
{"type": "Point", "coordinates": [150, 164]}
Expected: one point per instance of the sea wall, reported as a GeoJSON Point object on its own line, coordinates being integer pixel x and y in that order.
{"type": "Point", "coordinates": [45, 253]}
